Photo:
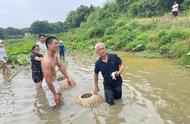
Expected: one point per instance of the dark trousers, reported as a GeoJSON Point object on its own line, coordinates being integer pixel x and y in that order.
{"type": "Point", "coordinates": [62, 56]}
{"type": "Point", "coordinates": [112, 93]}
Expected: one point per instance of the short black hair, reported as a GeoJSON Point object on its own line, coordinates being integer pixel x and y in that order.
{"type": "Point", "coordinates": [40, 35]}
{"type": "Point", "coordinates": [49, 40]}
{"type": "Point", "coordinates": [34, 46]}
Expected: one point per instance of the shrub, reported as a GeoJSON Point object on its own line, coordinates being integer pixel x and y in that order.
{"type": "Point", "coordinates": [152, 46]}
{"type": "Point", "coordinates": [169, 36]}
{"type": "Point", "coordinates": [145, 8]}
{"type": "Point", "coordinates": [164, 49]}
{"type": "Point", "coordinates": [110, 30]}
{"type": "Point", "coordinates": [185, 60]}
{"type": "Point", "coordinates": [178, 49]}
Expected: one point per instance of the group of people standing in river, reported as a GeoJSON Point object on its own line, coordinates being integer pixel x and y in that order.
{"type": "Point", "coordinates": [44, 60]}
{"type": "Point", "coordinates": [38, 52]}
{"type": "Point", "coordinates": [43, 68]}
{"type": "Point", "coordinates": [47, 55]}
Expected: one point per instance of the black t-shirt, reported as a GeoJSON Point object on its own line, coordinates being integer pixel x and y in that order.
{"type": "Point", "coordinates": [106, 69]}
{"type": "Point", "coordinates": [35, 65]}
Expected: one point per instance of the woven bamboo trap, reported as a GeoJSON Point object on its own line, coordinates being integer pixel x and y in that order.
{"type": "Point", "coordinates": [89, 100]}
{"type": "Point", "coordinates": [64, 85]}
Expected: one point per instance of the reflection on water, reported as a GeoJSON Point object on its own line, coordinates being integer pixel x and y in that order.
{"type": "Point", "coordinates": [155, 91]}
{"type": "Point", "coordinates": [111, 114]}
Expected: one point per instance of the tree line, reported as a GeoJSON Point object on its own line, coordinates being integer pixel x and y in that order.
{"type": "Point", "coordinates": [131, 8]}
{"type": "Point", "coordinates": [73, 20]}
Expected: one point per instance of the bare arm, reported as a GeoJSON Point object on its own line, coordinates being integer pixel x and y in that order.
{"type": "Point", "coordinates": [121, 68]}
{"type": "Point", "coordinates": [96, 89]}
{"type": "Point", "coordinates": [63, 70]}
{"type": "Point", "coordinates": [38, 58]}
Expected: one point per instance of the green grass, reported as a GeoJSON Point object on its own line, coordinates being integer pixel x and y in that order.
{"type": "Point", "coordinates": [19, 50]}
{"type": "Point", "coordinates": [148, 37]}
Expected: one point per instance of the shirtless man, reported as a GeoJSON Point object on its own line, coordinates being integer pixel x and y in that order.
{"type": "Point", "coordinates": [49, 62]}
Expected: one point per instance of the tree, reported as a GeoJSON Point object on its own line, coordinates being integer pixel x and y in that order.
{"type": "Point", "coordinates": [185, 5]}
{"type": "Point", "coordinates": [75, 18]}
{"type": "Point", "coordinates": [38, 27]}
{"type": "Point", "coordinates": [25, 30]}
{"type": "Point", "coordinates": [147, 7]}
{"type": "Point", "coordinates": [1, 36]}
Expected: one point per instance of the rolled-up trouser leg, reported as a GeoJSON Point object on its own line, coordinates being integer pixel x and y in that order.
{"type": "Point", "coordinates": [117, 92]}
{"type": "Point", "coordinates": [109, 95]}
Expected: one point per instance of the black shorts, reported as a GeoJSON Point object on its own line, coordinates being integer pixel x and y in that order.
{"type": "Point", "coordinates": [112, 93]}
{"type": "Point", "coordinates": [175, 13]}
{"type": "Point", "coordinates": [37, 76]}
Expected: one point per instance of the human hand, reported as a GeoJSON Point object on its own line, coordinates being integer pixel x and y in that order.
{"type": "Point", "coordinates": [57, 98]}
{"type": "Point", "coordinates": [69, 81]}
{"type": "Point", "coordinates": [117, 73]}
{"type": "Point", "coordinates": [114, 74]}
{"type": "Point", "coordinates": [96, 90]}
{"type": "Point", "coordinates": [3, 61]}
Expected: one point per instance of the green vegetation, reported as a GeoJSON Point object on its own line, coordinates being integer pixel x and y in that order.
{"type": "Point", "coordinates": [11, 33]}
{"type": "Point", "coordinates": [18, 50]}
{"type": "Point", "coordinates": [152, 37]}
{"type": "Point", "coordinates": [142, 26]}
{"type": "Point", "coordinates": [120, 29]}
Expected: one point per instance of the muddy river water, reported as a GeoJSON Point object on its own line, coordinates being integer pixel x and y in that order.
{"type": "Point", "coordinates": [155, 91]}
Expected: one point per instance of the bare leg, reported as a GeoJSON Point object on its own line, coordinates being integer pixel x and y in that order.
{"type": "Point", "coordinates": [5, 68]}
{"type": "Point", "coordinates": [5, 71]}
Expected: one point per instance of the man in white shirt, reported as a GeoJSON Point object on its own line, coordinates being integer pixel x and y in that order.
{"type": "Point", "coordinates": [3, 59]}
{"type": "Point", "coordinates": [42, 44]}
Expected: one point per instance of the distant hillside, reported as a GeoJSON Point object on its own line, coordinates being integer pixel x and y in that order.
{"type": "Point", "coordinates": [144, 27]}
{"type": "Point", "coordinates": [152, 35]}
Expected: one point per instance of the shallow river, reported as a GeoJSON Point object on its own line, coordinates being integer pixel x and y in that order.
{"type": "Point", "coordinates": [155, 91]}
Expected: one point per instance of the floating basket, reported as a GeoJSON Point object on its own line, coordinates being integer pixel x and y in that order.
{"type": "Point", "coordinates": [89, 100]}
{"type": "Point", "coordinates": [64, 85]}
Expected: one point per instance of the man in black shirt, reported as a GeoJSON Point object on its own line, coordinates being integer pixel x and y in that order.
{"type": "Point", "coordinates": [111, 66]}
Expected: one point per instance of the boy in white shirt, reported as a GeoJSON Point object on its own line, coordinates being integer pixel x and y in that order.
{"type": "Point", "coordinates": [42, 44]}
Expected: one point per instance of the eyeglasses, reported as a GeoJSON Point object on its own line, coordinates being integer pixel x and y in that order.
{"type": "Point", "coordinates": [1, 42]}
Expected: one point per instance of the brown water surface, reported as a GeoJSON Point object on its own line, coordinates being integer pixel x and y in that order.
{"type": "Point", "coordinates": [155, 91]}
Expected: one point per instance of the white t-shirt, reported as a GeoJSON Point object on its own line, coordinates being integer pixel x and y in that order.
{"type": "Point", "coordinates": [2, 55]}
{"type": "Point", "coordinates": [175, 7]}
{"type": "Point", "coordinates": [43, 48]}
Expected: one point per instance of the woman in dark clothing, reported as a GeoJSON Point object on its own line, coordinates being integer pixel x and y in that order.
{"type": "Point", "coordinates": [36, 58]}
